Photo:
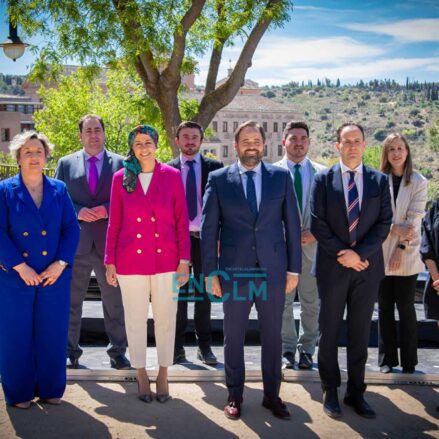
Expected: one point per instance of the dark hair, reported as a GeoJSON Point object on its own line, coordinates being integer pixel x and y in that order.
{"type": "Point", "coordinates": [348, 124]}
{"type": "Point", "coordinates": [385, 165]}
{"type": "Point", "coordinates": [249, 124]}
{"type": "Point", "coordinates": [190, 124]}
{"type": "Point", "coordinates": [90, 116]}
{"type": "Point", "coordinates": [295, 124]}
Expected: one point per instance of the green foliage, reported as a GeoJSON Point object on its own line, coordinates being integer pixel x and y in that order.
{"type": "Point", "coordinates": [372, 156]}
{"type": "Point", "coordinates": [123, 106]}
{"type": "Point", "coordinates": [410, 134]}
{"type": "Point", "coordinates": [433, 136]}
{"type": "Point", "coordinates": [433, 190]}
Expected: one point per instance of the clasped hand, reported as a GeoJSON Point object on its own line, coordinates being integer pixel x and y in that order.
{"type": "Point", "coordinates": [47, 277]}
{"type": "Point", "coordinates": [350, 259]}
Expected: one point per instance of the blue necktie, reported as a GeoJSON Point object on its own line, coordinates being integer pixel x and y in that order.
{"type": "Point", "coordinates": [251, 193]}
{"type": "Point", "coordinates": [353, 208]}
{"type": "Point", "coordinates": [191, 191]}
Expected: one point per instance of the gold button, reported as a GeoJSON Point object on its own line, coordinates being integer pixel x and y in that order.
{"type": "Point", "coordinates": [159, 250]}
{"type": "Point", "coordinates": [139, 251]}
{"type": "Point", "coordinates": [43, 232]}
{"type": "Point", "coordinates": [153, 219]}
{"type": "Point", "coordinates": [139, 235]}
{"type": "Point", "coordinates": [139, 220]}
{"type": "Point", "coordinates": [156, 235]}
{"type": "Point", "coordinates": [25, 255]}
{"type": "Point", "coordinates": [44, 253]}
{"type": "Point", "coordinates": [25, 233]}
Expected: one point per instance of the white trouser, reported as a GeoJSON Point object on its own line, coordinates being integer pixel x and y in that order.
{"type": "Point", "coordinates": [137, 291]}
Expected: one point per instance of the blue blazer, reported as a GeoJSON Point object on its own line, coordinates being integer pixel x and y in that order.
{"type": "Point", "coordinates": [329, 220]}
{"type": "Point", "coordinates": [35, 236]}
{"type": "Point", "coordinates": [273, 240]}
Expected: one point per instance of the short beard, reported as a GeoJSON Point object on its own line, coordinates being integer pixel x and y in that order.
{"type": "Point", "coordinates": [251, 161]}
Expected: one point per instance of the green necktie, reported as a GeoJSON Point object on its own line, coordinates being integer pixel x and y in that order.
{"type": "Point", "coordinates": [298, 185]}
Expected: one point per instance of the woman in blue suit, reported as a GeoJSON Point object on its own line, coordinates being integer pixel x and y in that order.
{"type": "Point", "coordinates": [38, 238]}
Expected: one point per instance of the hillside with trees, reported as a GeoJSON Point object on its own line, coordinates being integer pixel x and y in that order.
{"type": "Point", "coordinates": [381, 106]}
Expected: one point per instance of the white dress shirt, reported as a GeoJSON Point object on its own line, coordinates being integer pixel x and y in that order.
{"type": "Point", "coordinates": [358, 181]}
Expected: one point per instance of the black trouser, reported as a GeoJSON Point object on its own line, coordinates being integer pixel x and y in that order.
{"type": "Point", "coordinates": [399, 290]}
{"type": "Point", "coordinates": [194, 291]}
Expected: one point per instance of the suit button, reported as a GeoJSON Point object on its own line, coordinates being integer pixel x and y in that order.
{"type": "Point", "coordinates": [159, 250]}
{"type": "Point", "coordinates": [139, 220]}
{"type": "Point", "coordinates": [153, 219]}
{"type": "Point", "coordinates": [139, 235]}
{"type": "Point", "coordinates": [25, 233]}
{"type": "Point", "coordinates": [25, 255]}
{"type": "Point", "coordinates": [44, 253]}
{"type": "Point", "coordinates": [253, 247]}
{"type": "Point", "coordinates": [156, 235]}
{"type": "Point", "coordinates": [139, 251]}
{"type": "Point", "coordinates": [44, 232]}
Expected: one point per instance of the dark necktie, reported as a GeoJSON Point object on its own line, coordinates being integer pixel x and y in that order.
{"type": "Point", "coordinates": [191, 191]}
{"type": "Point", "coordinates": [93, 175]}
{"type": "Point", "coordinates": [353, 208]}
{"type": "Point", "coordinates": [251, 193]}
{"type": "Point", "coordinates": [298, 185]}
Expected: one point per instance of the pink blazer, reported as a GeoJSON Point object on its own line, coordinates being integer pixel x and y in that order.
{"type": "Point", "coordinates": [148, 234]}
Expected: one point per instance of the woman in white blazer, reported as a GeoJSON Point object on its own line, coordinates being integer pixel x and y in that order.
{"type": "Point", "coordinates": [402, 259]}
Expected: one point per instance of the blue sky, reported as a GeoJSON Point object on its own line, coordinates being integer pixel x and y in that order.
{"type": "Point", "coordinates": [350, 40]}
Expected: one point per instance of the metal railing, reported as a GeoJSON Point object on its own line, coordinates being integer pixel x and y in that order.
{"type": "Point", "coordinates": [7, 171]}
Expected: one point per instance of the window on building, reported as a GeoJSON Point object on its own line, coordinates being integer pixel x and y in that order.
{"type": "Point", "coordinates": [10, 107]}
{"type": "Point", "coordinates": [235, 126]}
{"type": "Point", "coordinates": [225, 127]}
{"type": "Point", "coordinates": [6, 135]}
{"type": "Point", "coordinates": [215, 126]}
{"type": "Point", "coordinates": [29, 109]}
{"type": "Point", "coordinates": [284, 125]}
{"type": "Point", "coordinates": [20, 108]}
{"type": "Point", "coordinates": [225, 150]}
{"type": "Point", "coordinates": [265, 151]}
{"type": "Point", "coordinates": [265, 126]}
{"type": "Point", "coordinates": [275, 127]}
{"type": "Point", "coordinates": [27, 126]}
{"type": "Point", "coordinates": [279, 150]}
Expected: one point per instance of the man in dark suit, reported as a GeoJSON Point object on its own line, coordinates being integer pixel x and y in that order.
{"type": "Point", "coordinates": [250, 207]}
{"type": "Point", "coordinates": [88, 175]}
{"type": "Point", "coordinates": [194, 169]}
{"type": "Point", "coordinates": [350, 218]}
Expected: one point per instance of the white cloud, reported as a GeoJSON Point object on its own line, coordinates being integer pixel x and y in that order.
{"type": "Point", "coordinates": [412, 31]}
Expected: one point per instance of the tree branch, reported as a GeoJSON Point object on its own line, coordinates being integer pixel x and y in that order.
{"type": "Point", "coordinates": [172, 71]}
{"type": "Point", "coordinates": [213, 101]}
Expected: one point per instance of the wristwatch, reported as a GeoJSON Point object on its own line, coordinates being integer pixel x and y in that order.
{"type": "Point", "coordinates": [402, 246]}
{"type": "Point", "coordinates": [63, 263]}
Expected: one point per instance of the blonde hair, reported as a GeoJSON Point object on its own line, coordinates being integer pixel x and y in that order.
{"type": "Point", "coordinates": [385, 165]}
{"type": "Point", "coordinates": [21, 139]}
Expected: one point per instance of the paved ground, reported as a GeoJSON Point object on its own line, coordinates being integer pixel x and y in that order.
{"type": "Point", "coordinates": [103, 410]}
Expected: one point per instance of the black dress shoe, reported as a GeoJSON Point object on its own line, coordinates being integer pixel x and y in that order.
{"type": "Point", "coordinates": [72, 363]}
{"type": "Point", "coordinates": [277, 407]}
{"type": "Point", "coordinates": [331, 406]}
{"type": "Point", "coordinates": [233, 409]}
{"type": "Point", "coordinates": [120, 363]}
{"type": "Point", "coordinates": [207, 357]}
{"type": "Point", "coordinates": [289, 360]}
{"type": "Point", "coordinates": [305, 361]}
{"type": "Point", "coordinates": [180, 357]}
{"type": "Point", "coordinates": [408, 370]}
{"type": "Point", "coordinates": [360, 406]}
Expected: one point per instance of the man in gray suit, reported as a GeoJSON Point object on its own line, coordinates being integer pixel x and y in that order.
{"type": "Point", "coordinates": [302, 170]}
{"type": "Point", "coordinates": [88, 174]}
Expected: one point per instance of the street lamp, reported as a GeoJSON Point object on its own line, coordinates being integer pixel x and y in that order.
{"type": "Point", "coordinates": [13, 46]}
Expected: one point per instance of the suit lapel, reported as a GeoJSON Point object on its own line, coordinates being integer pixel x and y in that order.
{"type": "Point", "coordinates": [80, 170]}
{"type": "Point", "coordinates": [105, 171]}
{"type": "Point", "coordinates": [265, 187]}
{"type": "Point", "coordinates": [368, 184]}
{"type": "Point", "coordinates": [337, 184]}
{"type": "Point", "coordinates": [204, 174]}
{"type": "Point", "coordinates": [234, 179]}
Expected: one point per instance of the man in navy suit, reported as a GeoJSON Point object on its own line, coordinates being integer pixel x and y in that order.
{"type": "Point", "coordinates": [196, 167]}
{"type": "Point", "coordinates": [351, 217]}
{"type": "Point", "coordinates": [251, 208]}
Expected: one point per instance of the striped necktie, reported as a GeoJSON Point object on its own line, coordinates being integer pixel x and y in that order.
{"type": "Point", "coordinates": [353, 208]}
